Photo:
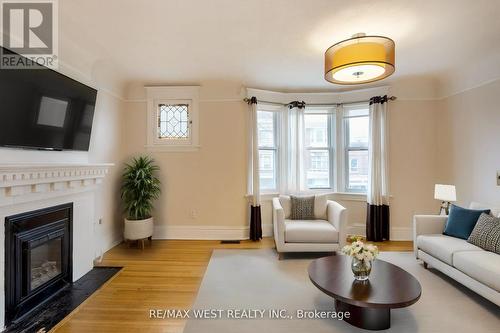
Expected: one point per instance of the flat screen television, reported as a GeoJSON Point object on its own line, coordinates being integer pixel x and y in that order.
{"type": "Point", "coordinates": [43, 109]}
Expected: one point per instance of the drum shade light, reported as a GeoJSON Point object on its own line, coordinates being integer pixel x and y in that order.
{"type": "Point", "coordinates": [360, 59]}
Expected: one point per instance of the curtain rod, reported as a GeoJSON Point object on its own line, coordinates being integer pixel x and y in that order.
{"type": "Point", "coordinates": [246, 100]}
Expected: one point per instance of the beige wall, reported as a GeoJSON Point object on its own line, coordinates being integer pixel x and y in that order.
{"type": "Point", "coordinates": [204, 188]}
{"type": "Point", "coordinates": [469, 144]}
{"type": "Point", "coordinates": [412, 161]}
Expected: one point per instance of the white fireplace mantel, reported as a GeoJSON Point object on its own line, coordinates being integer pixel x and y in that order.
{"type": "Point", "coordinates": [26, 182]}
{"type": "Point", "coordinates": [28, 186]}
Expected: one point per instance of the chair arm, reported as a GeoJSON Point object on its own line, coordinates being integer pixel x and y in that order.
{"type": "Point", "coordinates": [337, 215]}
{"type": "Point", "coordinates": [278, 224]}
{"type": "Point", "coordinates": [427, 225]}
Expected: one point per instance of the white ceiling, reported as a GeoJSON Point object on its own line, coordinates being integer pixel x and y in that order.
{"type": "Point", "coordinates": [276, 44]}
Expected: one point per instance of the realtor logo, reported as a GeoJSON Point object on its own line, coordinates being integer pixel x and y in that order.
{"type": "Point", "coordinates": [29, 28]}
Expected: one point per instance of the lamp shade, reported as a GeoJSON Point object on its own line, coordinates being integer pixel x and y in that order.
{"type": "Point", "coordinates": [445, 192]}
{"type": "Point", "coordinates": [360, 59]}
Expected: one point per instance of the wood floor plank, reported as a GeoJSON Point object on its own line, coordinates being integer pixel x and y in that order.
{"type": "Point", "coordinates": [166, 274]}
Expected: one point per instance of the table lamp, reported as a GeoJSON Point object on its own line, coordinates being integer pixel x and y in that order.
{"type": "Point", "coordinates": [447, 194]}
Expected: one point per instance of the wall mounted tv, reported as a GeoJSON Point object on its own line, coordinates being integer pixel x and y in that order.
{"type": "Point", "coordinates": [43, 109]}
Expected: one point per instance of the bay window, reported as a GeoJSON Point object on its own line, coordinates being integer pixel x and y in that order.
{"type": "Point", "coordinates": [326, 149]}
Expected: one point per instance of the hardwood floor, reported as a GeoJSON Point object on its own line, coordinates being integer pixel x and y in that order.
{"type": "Point", "coordinates": [165, 275]}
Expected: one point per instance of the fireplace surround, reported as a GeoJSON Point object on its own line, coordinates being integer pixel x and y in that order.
{"type": "Point", "coordinates": [28, 187]}
{"type": "Point", "coordinates": [38, 258]}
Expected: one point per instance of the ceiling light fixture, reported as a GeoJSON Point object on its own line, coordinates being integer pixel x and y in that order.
{"type": "Point", "coordinates": [360, 59]}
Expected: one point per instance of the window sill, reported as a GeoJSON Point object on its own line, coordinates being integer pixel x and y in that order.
{"type": "Point", "coordinates": [172, 148]}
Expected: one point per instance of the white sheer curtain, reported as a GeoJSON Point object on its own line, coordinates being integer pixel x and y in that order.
{"type": "Point", "coordinates": [253, 174]}
{"type": "Point", "coordinates": [377, 226]}
{"type": "Point", "coordinates": [295, 149]}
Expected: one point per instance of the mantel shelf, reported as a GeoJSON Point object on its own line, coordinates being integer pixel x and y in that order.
{"type": "Point", "coordinates": [32, 181]}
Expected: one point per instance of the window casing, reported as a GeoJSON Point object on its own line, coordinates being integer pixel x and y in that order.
{"type": "Point", "coordinates": [172, 118]}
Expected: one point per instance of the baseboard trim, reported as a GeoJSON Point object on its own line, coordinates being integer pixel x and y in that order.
{"type": "Point", "coordinates": [206, 232]}
{"type": "Point", "coordinates": [397, 233]}
{"type": "Point", "coordinates": [401, 234]}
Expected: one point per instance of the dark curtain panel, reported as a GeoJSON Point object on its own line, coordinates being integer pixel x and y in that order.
{"type": "Point", "coordinates": [255, 223]}
{"type": "Point", "coordinates": [377, 223]}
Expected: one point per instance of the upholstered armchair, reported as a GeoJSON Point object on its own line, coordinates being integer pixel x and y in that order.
{"type": "Point", "coordinates": [327, 233]}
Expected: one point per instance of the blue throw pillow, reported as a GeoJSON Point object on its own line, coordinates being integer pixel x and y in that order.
{"type": "Point", "coordinates": [462, 221]}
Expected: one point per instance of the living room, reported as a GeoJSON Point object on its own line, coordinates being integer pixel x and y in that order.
{"type": "Point", "coordinates": [234, 166]}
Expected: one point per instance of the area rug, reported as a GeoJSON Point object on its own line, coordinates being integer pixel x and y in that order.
{"type": "Point", "coordinates": [241, 282]}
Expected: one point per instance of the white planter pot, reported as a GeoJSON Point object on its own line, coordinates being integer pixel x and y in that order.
{"type": "Point", "coordinates": [138, 229]}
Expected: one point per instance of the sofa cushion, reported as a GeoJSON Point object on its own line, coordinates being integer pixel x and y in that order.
{"type": "Point", "coordinates": [495, 211]}
{"type": "Point", "coordinates": [461, 221]}
{"type": "Point", "coordinates": [486, 233]}
{"type": "Point", "coordinates": [302, 207]}
{"type": "Point", "coordinates": [442, 247]}
{"type": "Point", "coordinates": [307, 231]}
{"type": "Point", "coordinates": [482, 266]}
{"type": "Point", "coordinates": [320, 203]}
{"type": "Point", "coordinates": [286, 203]}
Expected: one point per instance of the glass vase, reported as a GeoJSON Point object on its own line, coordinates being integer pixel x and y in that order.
{"type": "Point", "coordinates": [361, 269]}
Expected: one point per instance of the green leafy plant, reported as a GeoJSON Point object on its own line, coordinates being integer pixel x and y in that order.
{"type": "Point", "coordinates": [140, 188]}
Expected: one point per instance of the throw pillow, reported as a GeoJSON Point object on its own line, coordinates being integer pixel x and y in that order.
{"type": "Point", "coordinates": [302, 208]}
{"type": "Point", "coordinates": [461, 221]}
{"type": "Point", "coordinates": [320, 206]}
{"type": "Point", "coordinates": [486, 233]}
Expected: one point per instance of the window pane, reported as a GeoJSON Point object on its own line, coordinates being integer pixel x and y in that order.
{"type": "Point", "coordinates": [357, 170]}
{"type": "Point", "coordinates": [317, 164]}
{"type": "Point", "coordinates": [358, 131]}
{"type": "Point", "coordinates": [173, 122]}
{"type": "Point", "coordinates": [316, 130]}
{"type": "Point", "coordinates": [267, 167]}
{"type": "Point", "coordinates": [265, 125]}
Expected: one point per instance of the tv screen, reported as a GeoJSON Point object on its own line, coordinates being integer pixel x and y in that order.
{"type": "Point", "coordinates": [43, 109]}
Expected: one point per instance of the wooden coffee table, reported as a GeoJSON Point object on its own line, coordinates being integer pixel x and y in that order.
{"type": "Point", "coordinates": [368, 302]}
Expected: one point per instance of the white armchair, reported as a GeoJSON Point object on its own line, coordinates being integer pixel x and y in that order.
{"type": "Point", "coordinates": [327, 233]}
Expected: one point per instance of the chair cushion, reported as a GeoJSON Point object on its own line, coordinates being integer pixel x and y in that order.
{"type": "Point", "coordinates": [482, 266]}
{"type": "Point", "coordinates": [302, 207]}
{"type": "Point", "coordinates": [461, 221]}
{"type": "Point", "coordinates": [307, 231]}
{"type": "Point", "coordinates": [320, 204]}
{"type": "Point", "coordinates": [486, 233]}
{"type": "Point", "coordinates": [442, 247]}
{"type": "Point", "coordinates": [286, 203]}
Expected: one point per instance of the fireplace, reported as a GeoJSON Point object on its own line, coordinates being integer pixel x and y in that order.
{"type": "Point", "coordinates": [38, 258]}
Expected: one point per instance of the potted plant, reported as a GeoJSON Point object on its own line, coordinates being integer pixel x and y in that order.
{"type": "Point", "coordinates": [140, 188]}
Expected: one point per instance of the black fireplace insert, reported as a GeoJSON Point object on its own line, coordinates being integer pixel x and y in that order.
{"type": "Point", "coordinates": [38, 258]}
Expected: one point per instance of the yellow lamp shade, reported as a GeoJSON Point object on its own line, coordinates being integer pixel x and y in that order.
{"type": "Point", "coordinates": [360, 59]}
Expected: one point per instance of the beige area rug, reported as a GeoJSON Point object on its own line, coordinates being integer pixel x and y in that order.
{"type": "Point", "coordinates": [255, 279]}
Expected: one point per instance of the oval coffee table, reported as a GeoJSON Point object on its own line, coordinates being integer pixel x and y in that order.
{"type": "Point", "coordinates": [368, 302]}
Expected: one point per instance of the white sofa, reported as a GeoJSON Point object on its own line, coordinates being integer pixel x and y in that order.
{"type": "Point", "coordinates": [475, 268]}
{"type": "Point", "coordinates": [327, 233]}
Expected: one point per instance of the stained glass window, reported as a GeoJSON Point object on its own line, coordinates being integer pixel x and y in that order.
{"type": "Point", "coordinates": [173, 121]}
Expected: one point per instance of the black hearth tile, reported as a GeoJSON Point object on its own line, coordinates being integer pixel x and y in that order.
{"type": "Point", "coordinates": [53, 311]}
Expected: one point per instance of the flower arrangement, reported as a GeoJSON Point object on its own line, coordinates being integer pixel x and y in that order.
{"type": "Point", "coordinates": [361, 251]}
{"type": "Point", "coordinates": [362, 256]}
